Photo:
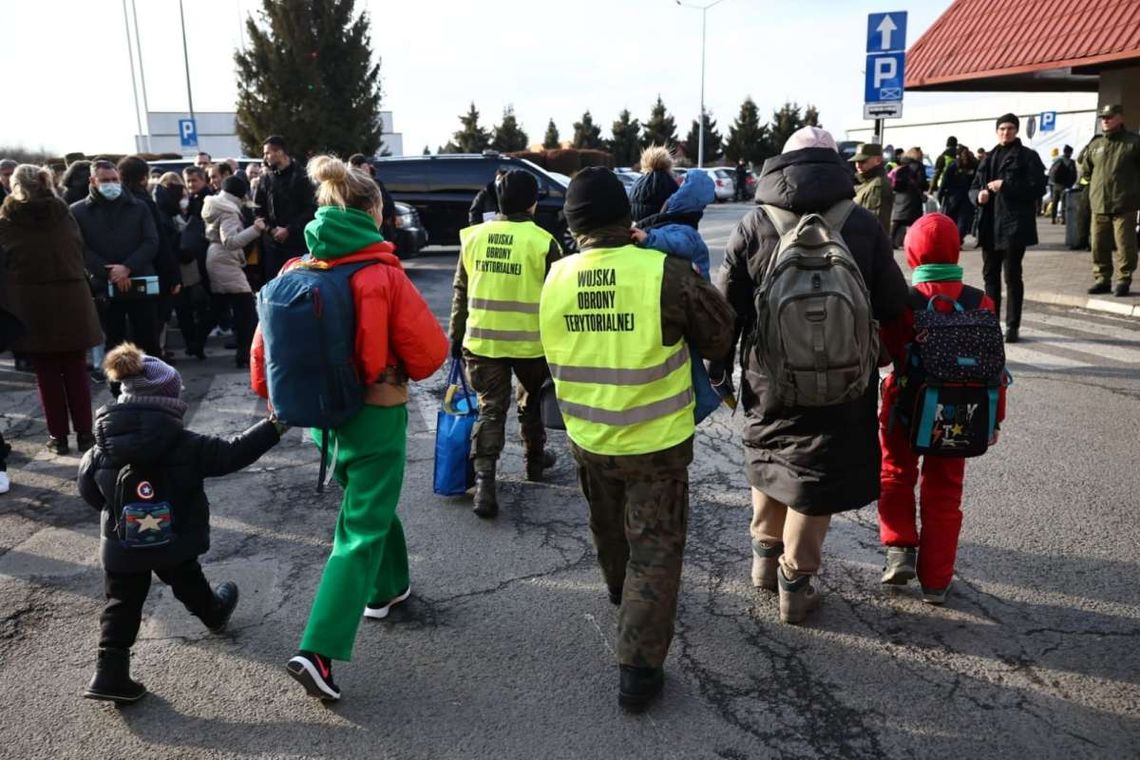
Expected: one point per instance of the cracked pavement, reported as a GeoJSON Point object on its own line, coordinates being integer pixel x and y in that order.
{"type": "Point", "coordinates": [505, 649]}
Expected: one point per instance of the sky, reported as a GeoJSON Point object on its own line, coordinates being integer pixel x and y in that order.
{"type": "Point", "coordinates": [69, 68]}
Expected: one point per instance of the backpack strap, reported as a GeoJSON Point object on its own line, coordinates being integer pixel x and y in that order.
{"type": "Point", "coordinates": [971, 298]}
{"type": "Point", "coordinates": [783, 220]}
{"type": "Point", "coordinates": [837, 215]}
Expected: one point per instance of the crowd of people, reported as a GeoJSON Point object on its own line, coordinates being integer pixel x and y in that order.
{"type": "Point", "coordinates": [634, 336]}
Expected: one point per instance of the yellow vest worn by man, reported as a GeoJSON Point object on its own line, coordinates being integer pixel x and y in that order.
{"type": "Point", "coordinates": [505, 264]}
{"type": "Point", "coordinates": [621, 391]}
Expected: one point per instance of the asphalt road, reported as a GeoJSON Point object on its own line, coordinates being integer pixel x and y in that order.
{"type": "Point", "coordinates": [506, 648]}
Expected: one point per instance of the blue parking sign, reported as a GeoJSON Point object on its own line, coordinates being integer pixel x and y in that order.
{"type": "Point", "coordinates": [885, 75]}
{"type": "Point", "coordinates": [1048, 121]}
{"type": "Point", "coordinates": [188, 133]}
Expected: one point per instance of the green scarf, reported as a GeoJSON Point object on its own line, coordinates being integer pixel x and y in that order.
{"type": "Point", "coordinates": [936, 273]}
{"type": "Point", "coordinates": [336, 232]}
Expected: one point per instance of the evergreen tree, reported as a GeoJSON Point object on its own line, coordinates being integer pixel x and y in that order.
{"type": "Point", "coordinates": [748, 139]}
{"type": "Point", "coordinates": [587, 134]}
{"type": "Point", "coordinates": [427, 150]}
{"type": "Point", "coordinates": [509, 137]}
{"type": "Point", "coordinates": [308, 74]}
{"type": "Point", "coordinates": [625, 145]}
{"type": "Point", "coordinates": [551, 141]}
{"type": "Point", "coordinates": [661, 128]}
{"type": "Point", "coordinates": [712, 141]}
{"type": "Point", "coordinates": [472, 138]}
{"type": "Point", "coordinates": [788, 119]}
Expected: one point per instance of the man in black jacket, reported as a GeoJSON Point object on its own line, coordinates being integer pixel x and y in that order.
{"type": "Point", "coordinates": [134, 173]}
{"type": "Point", "coordinates": [285, 200]}
{"type": "Point", "coordinates": [486, 203]}
{"type": "Point", "coordinates": [1006, 189]}
{"type": "Point", "coordinates": [120, 241]}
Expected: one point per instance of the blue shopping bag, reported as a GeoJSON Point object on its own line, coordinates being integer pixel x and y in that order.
{"type": "Point", "coordinates": [454, 469]}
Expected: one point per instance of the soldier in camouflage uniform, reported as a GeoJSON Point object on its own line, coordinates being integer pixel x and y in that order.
{"type": "Point", "coordinates": [501, 262]}
{"type": "Point", "coordinates": [639, 502]}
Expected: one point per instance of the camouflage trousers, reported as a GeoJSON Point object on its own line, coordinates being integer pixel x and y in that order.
{"type": "Point", "coordinates": [639, 515]}
{"type": "Point", "coordinates": [491, 381]}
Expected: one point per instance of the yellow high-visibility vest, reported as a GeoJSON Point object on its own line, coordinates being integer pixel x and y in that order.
{"type": "Point", "coordinates": [620, 390]}
{"type": "Point", "coordinates": [505, 264]}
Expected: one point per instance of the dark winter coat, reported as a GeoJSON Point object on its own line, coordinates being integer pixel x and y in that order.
{"type": "Point", "coordinates": [1009, 219]}
{"type": "Point", "coordinates": [285, 198]}
{"type": "Point", "coordinates": [166, 260]}
{"type": "Point", "coordinates": [486, 202]}
{"type": "Point", "coordinates": [818, 460]}
{"type": "Point", "coordinates": [144, 434]}
{"type": "Point", "coordinates": [47, 285]}
{"type": "Point", "coordinates": [121, 231]}
{"type": "Point", "coordinates": [909, 183]}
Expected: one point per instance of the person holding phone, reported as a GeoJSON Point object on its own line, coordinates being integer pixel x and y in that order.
{"type": "Point", "coordinates": [120, 242]}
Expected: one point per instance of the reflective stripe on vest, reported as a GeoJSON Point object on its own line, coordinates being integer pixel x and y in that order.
{"type": "Point", "coordinates": [505, 264]}
{"type": "Point", "coordinates": [620, 390]}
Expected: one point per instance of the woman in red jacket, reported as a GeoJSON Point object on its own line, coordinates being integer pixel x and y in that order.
{"type": "Point", "coordinates": [397, 339]}
{"type": "Point", "coordinates": [932, 248]}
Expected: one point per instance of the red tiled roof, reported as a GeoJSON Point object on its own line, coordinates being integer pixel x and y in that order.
{"type": "Point", "coordinates": [978, 39]}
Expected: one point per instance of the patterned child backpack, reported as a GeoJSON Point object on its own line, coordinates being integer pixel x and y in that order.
{"type": "Point", "coordinates": [953, 372]}
{"type": "Point", "coordinates": [143, 513]}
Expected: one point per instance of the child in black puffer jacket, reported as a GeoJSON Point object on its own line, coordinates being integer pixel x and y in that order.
{"type": "Point", "coordinates": [146, 476]}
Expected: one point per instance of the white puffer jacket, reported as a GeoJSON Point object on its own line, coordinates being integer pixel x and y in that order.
{"type": "Point", "coordinates": [225, 258]}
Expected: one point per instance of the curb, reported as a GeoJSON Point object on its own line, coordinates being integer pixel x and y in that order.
{"type": "Point", "coordinates": [1117, 307]}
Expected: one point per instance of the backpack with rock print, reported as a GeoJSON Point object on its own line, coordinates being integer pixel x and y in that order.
{"type": "Point", "coordinates": [143, 512]}
{"type": "Point", "coordinates": [952, 376]}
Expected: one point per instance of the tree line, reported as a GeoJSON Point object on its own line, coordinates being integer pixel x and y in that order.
{"type": "Point", "coordinates": [747, 138]}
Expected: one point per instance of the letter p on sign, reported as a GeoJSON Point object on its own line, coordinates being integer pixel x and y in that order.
{"type": "Point", "coordinates": [886, 70]}
{"type": "Point", "coordinates": [188, 133]}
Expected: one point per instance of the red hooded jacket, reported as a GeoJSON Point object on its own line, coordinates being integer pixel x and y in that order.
{"type": "Point", "coordinates": [396, 332]}
{"type": "Point", "coordinates": [933, 239]}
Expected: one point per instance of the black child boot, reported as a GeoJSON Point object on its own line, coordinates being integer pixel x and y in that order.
{"type": "Point", "coordinates": [486, 501]}
{"type": "Point", "coordinates": [112, 680]}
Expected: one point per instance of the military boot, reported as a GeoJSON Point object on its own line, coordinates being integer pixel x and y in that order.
{"type": "Point", "coordinates": [112, 680]}
{"type": "Point", "coordinates": [486, 501]}
{"type": "Point", "coordinates": [639, 687]}
{"type": "Point", "coordinates": [537, 463]}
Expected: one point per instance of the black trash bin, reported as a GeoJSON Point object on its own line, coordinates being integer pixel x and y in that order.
{"type": "Point", "coordinates": [1078, 219]}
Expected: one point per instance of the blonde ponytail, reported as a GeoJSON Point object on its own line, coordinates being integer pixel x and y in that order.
{"type": "Point", "coordinates": [339, 184]}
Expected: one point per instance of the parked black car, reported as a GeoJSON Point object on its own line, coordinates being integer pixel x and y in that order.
{"type": "Point", "coordinates": [410, 233]}
{"type": "Point", "coordinates": [441, 188]}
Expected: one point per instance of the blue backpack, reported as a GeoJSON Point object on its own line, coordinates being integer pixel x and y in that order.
{"type": "Point", "coordinates": [951, 377]}
{"type": "Point", "coordinates": [308, 324]}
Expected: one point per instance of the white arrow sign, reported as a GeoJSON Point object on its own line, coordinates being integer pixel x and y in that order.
{"type": "Point", "coordinates": [887, 29]}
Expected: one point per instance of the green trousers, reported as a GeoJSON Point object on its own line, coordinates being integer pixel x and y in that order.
{"type": "Point", "coordinates": [1114, 237]}
{"type": "Point", "coordinates": [369, 560]}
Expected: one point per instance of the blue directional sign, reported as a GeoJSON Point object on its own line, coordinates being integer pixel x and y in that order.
{"type": "Point", "coordinates": [886, 65]}
{"type": "Point", "coordinates": [1048, 121]}
{"type": "Point", "coordinates": [886, 32]}
{"type": "Point", "coordinates": [188, 133]}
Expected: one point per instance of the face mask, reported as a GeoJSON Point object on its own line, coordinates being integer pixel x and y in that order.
{"type": "Point", "coordinates": [110, 190]}
{"type": "Point", "coordinates": [184, 204]}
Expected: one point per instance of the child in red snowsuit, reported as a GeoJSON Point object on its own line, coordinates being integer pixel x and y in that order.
{"type": "Point", "coordinates": [932, 248]}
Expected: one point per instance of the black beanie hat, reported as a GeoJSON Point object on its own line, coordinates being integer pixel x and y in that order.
{"type": "Point", "coordinates": [235, 185]}
{"type": "Point", "coordinates": [595, 198]}
{"type": "Point", "coordinates": [1009, 118]}
{"type": "Point", "coordinates": [518, 191]}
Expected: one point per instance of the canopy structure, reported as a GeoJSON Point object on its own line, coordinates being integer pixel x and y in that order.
{"type": "Point", "coordinates": [1032, 46]}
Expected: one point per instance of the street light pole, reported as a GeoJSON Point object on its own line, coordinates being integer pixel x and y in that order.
{"type": "Point", "coordinates": [704, 9]}
{"type": "Point", "coordinates": [186, 60]}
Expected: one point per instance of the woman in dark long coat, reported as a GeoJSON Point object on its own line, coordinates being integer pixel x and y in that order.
{"type": "Point", "coordinates": [48, 291]}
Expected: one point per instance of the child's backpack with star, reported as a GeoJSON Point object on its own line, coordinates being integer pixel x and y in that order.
{"type": "Point", "coordinates": [142, 510]}
{"type": "Point", "coordinates": [951, 376]}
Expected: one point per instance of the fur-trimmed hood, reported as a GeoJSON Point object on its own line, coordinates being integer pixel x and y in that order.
{"type": "Point", "coordinates": [215, 206]}
{"type": "Point", "coordinates": [35, 212]}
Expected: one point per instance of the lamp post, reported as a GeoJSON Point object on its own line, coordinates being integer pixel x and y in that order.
{"type": "Point", "coordinates": [704, 9]}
